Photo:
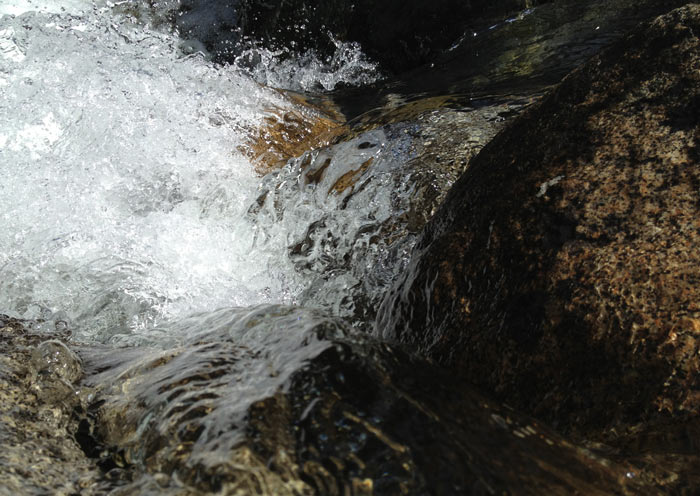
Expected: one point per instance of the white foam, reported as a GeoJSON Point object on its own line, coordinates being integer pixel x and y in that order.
{"type": "Point", "coordinates": [310, 71]}
{"type": "Point", "coordinates": [121, 190]}
{"type": "Point", "coordinates": [124, 202]}
{"type": "Point", "coordinates": [19, 7]}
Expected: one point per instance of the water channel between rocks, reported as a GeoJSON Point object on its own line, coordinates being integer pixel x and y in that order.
{"type": "Point", "coordinates": [132, 215]}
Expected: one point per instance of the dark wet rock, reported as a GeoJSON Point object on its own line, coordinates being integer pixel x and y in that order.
{"type": "Point", "coordinates": [39, 454]}
{"type": "Point", "coordinates": [374, 190]}
{"type": "Point", "coordinates": [400, 34]}
{"type": "Point", "coordinates": [444, 133]}
{"type": "Point", "coordinates": [561, 273]}
{"type": "Point", "coordinates": [281, 400]}
{"type": "Point", "coordinates": [523, 54]}
{"type": "Point", "coordinates": [371, 416]}
{"type": "Point", "coordinates": [175, 417]}
{"type": "Point", "coordinates": [667, 454]}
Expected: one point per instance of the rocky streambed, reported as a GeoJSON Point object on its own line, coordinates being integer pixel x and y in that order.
{"type": "Point", "coordinates": [522, 320]}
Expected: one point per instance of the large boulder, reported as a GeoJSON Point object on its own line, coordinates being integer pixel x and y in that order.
{"type": "Point", "coordinates": [562, 272]}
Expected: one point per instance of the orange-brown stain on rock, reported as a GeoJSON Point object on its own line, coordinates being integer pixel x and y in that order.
{"type": "Point", "coordinates": [348, 179]}
{"type": "Point", "coordinates": [289, 132]}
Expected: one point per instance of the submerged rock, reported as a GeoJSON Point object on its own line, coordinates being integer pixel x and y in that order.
{"type": "Point", "coordinates": [303, 125]}
{"type": "Point", "coordinates": [562, 271]}
{"type": "Point", "coordinates": [281, 400]}
{"type": "Point", "coordinates": [352, 210]}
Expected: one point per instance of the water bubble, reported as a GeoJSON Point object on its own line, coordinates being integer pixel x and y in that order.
{"type": "Point", "coordinates": [58, 361]}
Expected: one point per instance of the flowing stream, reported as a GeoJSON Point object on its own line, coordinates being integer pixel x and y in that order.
{"type": "Point", "coordinates": [197, 290]}
{"type": "Point", "coordinates": [127, 199]}
{"type": "Point", "coordinates": [126, 205]}
{"type": "Point", "coordinates": [131, 215]}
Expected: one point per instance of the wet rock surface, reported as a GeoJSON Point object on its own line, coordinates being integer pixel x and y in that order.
{"type": "Point", "coordinates": [509, 57]}
{"type": "Point", "coordinates": [434, 136]}
{"type": "Point", "coordinates": [561, 271]}
{"type": "Point", "coordinates": [366, 197]}
{"type": "Point", "coordinates": [398, 34]}
{"type": "Point", "coordinates": [218, 412]}
{"type": "Point", "coordinates": [370, 416]}
{"type": "Point", "coordinates": [40, 454]}
{"type": "Point", "coordinates": [218, 415]}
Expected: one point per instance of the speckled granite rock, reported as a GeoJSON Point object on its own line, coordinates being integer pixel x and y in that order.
{"type": "Point", "coordinates": [39, 452]}
{"type": "Point", "coordinates": [562, 272]}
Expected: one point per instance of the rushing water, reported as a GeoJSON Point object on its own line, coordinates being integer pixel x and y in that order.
{"type": "Point", "coordinates": [131, 215]}
{"type": "Point", "coordinates": [124, 201]}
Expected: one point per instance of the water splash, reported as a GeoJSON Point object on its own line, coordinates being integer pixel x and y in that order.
{"type": "Point", "coordinates": [310, 72]}
{"type": "Point", "coordinates": [121, 183]}
{"type": "Point", "coordinates": [18, 7]}
{"type": "Point", "coordinates": [207, 27]}
{"type": "Point", "coordinates": [344, 215]}
{"type": "Point", "coordinates": [124, 202]}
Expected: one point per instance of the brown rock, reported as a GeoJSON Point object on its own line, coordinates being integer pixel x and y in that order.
{"type": "Point", "coordinates": [40, 454]}
{"type": "Point", "coordinates": [289, 132]}
{"type": "Point", "coordinates": [562, 270]}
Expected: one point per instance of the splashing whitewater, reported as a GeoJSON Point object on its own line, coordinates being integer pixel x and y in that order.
{"type": "Point", "coordinates": [124, 201]}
